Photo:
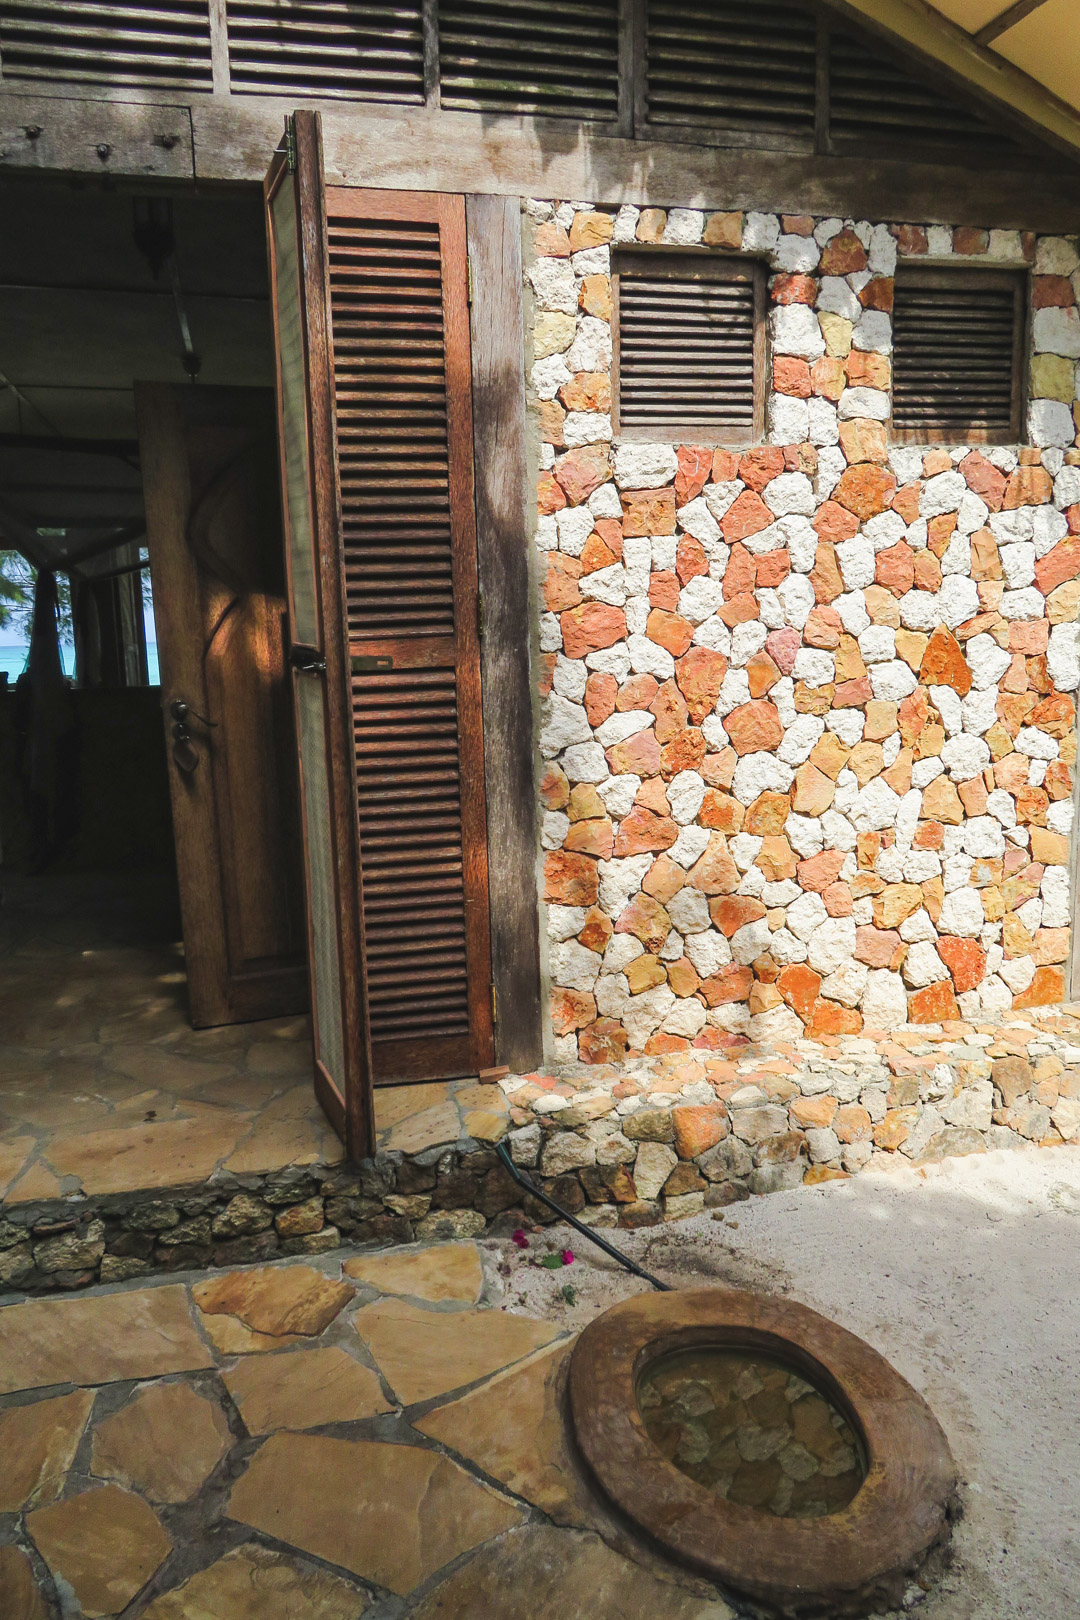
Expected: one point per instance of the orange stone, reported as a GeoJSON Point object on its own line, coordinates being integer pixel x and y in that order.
{"type": "Point", "coordinates": [965, 960]}
{"type": "Point", "coordinates": [651, 795]}
{"type": "Point", "coordinates": [561, 575]}
{"type": "Point", "coordinates": [700, 675]}
{"type": "Point", "coordinates": [829, 1018]}
{"type": "Point", "coordinates": [647, 920]}
{"type": "Point", "coordinates": [683, 976]}
{"type": "Point", "coordinates": [690, 559]}
{"type": "Point", "coordinates": [596, 931]}
{"type": "Point", "coordinates": [570, 880]}
{"type": "Point", "coordinates": [725, 466]}
{"type": "Point", "coordinates": [863, 440]}
{"type": "Point", "coordinates": [768, 814]}
{"type": "Point", "coordinates": [721, 812]}
{"type": "Point", "coordinates": [762, 674]}
{"type": "Point", "coordinates": [730, 912]}
{"type": "Point", "coordinates": [597, 554]}
{"type": "Point", "coordinates": [818, 871]}
{"type": "Point", "coordinates": [876, 946]}
{"type": "Point", "coordinates": [933, 1005]}
{"type": "Point", "coordinates": [669, 630]}
{"type": "Point", "coordinates": [580, 472]}
{"type": "Point", "coordinates": [715, 872]}
{"type": "Point", "coordinates": [865, 370]}
{"type": "Point", "coordinates": [754, 727]}
{"type": "Point", "coordinates": [603, 1042]}
{"type": "Point", "coordinates": [895, 568]}
{"type": "Point", "coordinates": [827, 377]}
{"type": "Point", "coordinates": [1060, 564]}
{"type": "Point", "coordinates": [641, 832]}
{"type": "Point", "coordinates": [587, 391]}
{"type": "Point", "coordinates": [1052, 292]}
{"type": "Point", "coordinates": [637, 756]}
{"type": "Point", "coordinates": [823, 628]}
{"type": "Point", "coordinates": [729, 984]}
{"type": "Point", "coordinates": [595, 296]}
{"type": "Point", "coordinates": [1045, 990]}
{"type": "Point", "coordinates": [800, 987]}
{"type": "Point", "coordinates": [637, 693]}
{"type": "Point", "coordinates": [549, 496]}
{"type": "Point", "coordinates": [825, 576]}
{"type": "Point", "coordinates": [664, 879]}
{"type": "Point", "coordinates": [835, 523]}
{"type": "Point", "coordinates": [669, 707]}
{"type": "Point", "coordinates": [984, 479]}
{"type": "Point", "coordinates": [590, 627]}
{"type": "Point", "coordinates": [793, 288]}
{"type": "Point", "coordinates": [554, 788]}
{"type": "Point", "coordinates": [865, 490]}
{"type": "Point", "coordinates": [792, 376]}
{"type": "Point", "coordinates": [772, 569]}
{"type": "Point", "coordinates": [839, 900]}
{"type": "Point", "coordinates": [852, 1123]}
{"type": "Point", "coordinates": [944, 664]}
{"type": "Point", "coordinates": [600, 693]}
{"type": "Point", "coordinates": [813, 791]}
{"type": "Point", "coordinates": [719, 769]}
{"type": "Point", "coordinates": [697, 1129]}
{"type": "Point", "coordinates": [571, 1010]}
{"type": "Point", "coordinates": [695, 465]}
{"type": "Point", "coordinates": [648, 511]}
{"type": "Point", "coordinates": [759, 467]}
{"type": "Point", "coordinates": [1028, 486]}
{"type": "Point", "coordinates": [684, 753]}
{"type": "Point", "coordinates": [592, 838]}
{"type": "Point", "coordinates": [747, 515]}
{"type": "Point", "coordinates": [812, 1112]}
{"type": "Point", "coordinates": [843, 255]}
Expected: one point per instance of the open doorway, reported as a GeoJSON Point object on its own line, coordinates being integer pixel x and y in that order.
{"type": "Point", "coordinates": [149, 836]}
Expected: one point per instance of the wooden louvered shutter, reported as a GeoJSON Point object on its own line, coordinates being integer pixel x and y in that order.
{"type": "Point", "coordinates": [148, 43]}
{"type": "Point", "coordinates": [363, 49]}
{"type": "Point", "coordinates": [527, 56]}
{"type": "Point", "coordinates": [391, 427]}
{"type": "Point", "coordinates": [690, 346]}
{"type": "Point", "coordinates": [958, 356]}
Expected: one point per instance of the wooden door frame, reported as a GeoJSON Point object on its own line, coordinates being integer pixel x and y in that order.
{"type": "Point", "coordinates": [493, 230]}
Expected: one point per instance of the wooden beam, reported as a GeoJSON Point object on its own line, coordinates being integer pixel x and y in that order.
{"type": "Point", "coordinates": [1007, 19]}
{"type": "Point", "coordinates": [493, 225]}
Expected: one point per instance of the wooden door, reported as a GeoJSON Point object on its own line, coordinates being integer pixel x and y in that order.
{"type": "Point", "coordinates": [213, 528]}
{"type": "Point", "coordinates": [372, 329]}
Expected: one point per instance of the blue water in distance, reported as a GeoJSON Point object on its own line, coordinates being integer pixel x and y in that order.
{"type": "Point", "coordinates": [13, 661]}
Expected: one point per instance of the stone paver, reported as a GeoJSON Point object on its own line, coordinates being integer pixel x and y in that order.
{"type": "Point", "coordinates": [304, 1389]}
{"type": "Point", "coordinates": [157, 1155]}
{"type": "Point", "coordinates": [544, 1574]}
{"type": "Point", "coordinates": [451, 1271]}
{"type": "Point", "coordinates": [262, 1310]}
{"type": "Point", "coordinates": [104, 1543]}
{"type": "Point", "coordinates": [144, 1334]}
{"type": "Point", "coordinates": [424, 1353]}
{"type": "Point", "coordinates": [253, 1583]}
{"type": "Point", "coordinates": [391, 1514]}
{"type": "Point", "coordinates": [165, 1442]}
{"type": "Point", "coordinates": [37, 1446]}
{"type": "Point", "coordinates": [20, 1598]}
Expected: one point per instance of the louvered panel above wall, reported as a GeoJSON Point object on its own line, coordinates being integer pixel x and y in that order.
{"type": "Point", "coordinates": [386, 292]}
{"type": "Point", "coordinates": [687, 346]}
{"type": "Point", "coordinates": [531, 56]}
{"type": "Point", "coordinates": [164, 45]}
{"type": "Point", "coordinates": [724, 65]}
{"type": "Point", "coordinates": [319, 48]}
{"type": "Point", "coordinates": [409, 798]}
{"type": "Point", "coordinates": [873, 97]}
{"type": "Point", "coordinates": [957, 350]}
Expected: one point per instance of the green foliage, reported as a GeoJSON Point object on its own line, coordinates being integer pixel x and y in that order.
{"type": "Point", "coordinates": [17, 578]}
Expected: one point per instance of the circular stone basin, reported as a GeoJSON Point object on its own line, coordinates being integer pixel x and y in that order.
{"type": "Point", "coordinates": [753, 1429]}
{"type": "Point", "coordinates": [763, 1445]}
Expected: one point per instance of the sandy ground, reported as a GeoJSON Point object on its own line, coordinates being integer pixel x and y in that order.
{"type": "Point", "coordinates": [965, 1275]}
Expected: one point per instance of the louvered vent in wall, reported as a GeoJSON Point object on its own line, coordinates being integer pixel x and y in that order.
{"type": "Point", "coordinates": [386, 296]}
{"type": "Point", "coordinates": [322, 48]}
{"type": "Point", "coordinates": [873, 98]}
{"type": "Point", "coordinates": [689, 347]}
{"type": "Point", "coordinates": [724, 65]}
{"type": "Point", "coordinates": [164, 45]}
{"type": "Point", "coordinates": [957, 356]}
{"type": "Point", "coordinates": [545, 57]}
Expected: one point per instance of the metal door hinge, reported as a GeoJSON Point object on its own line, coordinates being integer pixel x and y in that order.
{"type": "Point", "coordinates": [494, 1006]}
{"type": "Point", "coordinates": [369, 663]}
{"type": "Point", "coordinates": [290, 144]}
{"type": "Point", "coordinates": [308, 660]}
{"type": "Point", "coordinates": [468, 278]}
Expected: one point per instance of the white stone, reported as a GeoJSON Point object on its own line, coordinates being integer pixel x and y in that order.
{"type": "Point", "coordinates": [956, 558]}
{"type": "Point", "coordinates": [831, 465]}
{"type": "Point", "coordinates": [553, 829]}
{"type": "Point", "coordinates": [1036, 744]}
{"type": "Point", "coordinates": [605, 585]}
{"type": "Point", "coordinates": [690, 845]}
{"type": "Point", "coordinates": [831, 944]}
{"type": "Point", "coordinates": [570, 678]}
{"type": "Point", "coordinates": [709, 952]}
{"type": "Point", "coordinates": [823, 428]}
{"type": "Point", "coordinates": [780, 894]}
{"type": "Point", "coordinates": [964, 756]}
{"type": "Point", "coordinates": [864, 402]}
{"type": "Point", "coordinates": [744, 849]}
{"type": "Point", "coordinates": [875, 806]}
{"type": "Point", "coordinates": [1050, 422]}
{"type": "Point", "coordinates": [696, 518]}
{"type": "Point", "coordinates": [790, 493]}
{"type": "Point", "coordinates": [799, 738]}
{"type": "Point", "coordinates": [893, 681]}
{"type": "Point", "coordinates": [961, 913]}
{"type": "Point", "coordinates": [837, 298]}
{"type": "Point", "coordinates": [1018, 564]}
{"type": "Point", "coordinates": [1067, 486]}
{"type": "Point", "coordinates": [563, 922]}
{"type": "Point", "coordinates": [760, 773]}
{"type": "Point", "coordinates": [1063, 656]}
{"type": "Point", "coordinates": [574, 525]}
{"type": "Point", "coordinates": [971, 1109]}
{"type": "Point", "coordinates": [885, 529]}
{"type": "Point", "coordinates": [649, 658]}
{"type": "Point", "coordinates": [979, 710]}
{"type": "Point", "coordinates": [625, 229]}
{"type": "Point", "coordinates": [796, 255]}
{"type": "Point", "coordinates": [718, 497]}
{"type": "Point", "coordinates": [917, 927]}
{"type": "Point", "coordinates": [574, 967]}
{"type": "Point", "coordinates": [884, 1002]}
{"type": "Point", "coordinates": [550, 632]}
{"type": "Point", "coordinates": [654, 1163]}
{"type": "Point", "coordinates": [685, 793]}
{"type": "Point", "coordinates": [749, 941]}
{"type": "Point", "coordinates": [585, 762]}
{"type": "Point", "coordinates": [548, 375]}
{"type": "Point", "coordinates": [554, 286]}
{"type": "Point", "coordinates": [564, 723]}
{"type": "Point", "coordinates": [605, 502]}
{"type": "Point", "coordinates": [645, 1013]}
{"type": "Point", "coordinates": [620, 880]}
{"type": "Point", "coordinates": [785, 948]}
{"type": "Point", "coordinates": [689, 910]}
{"type": "Point", "coordinates": [923, 966]}
{"type": "Point", "coordinates": [986, 660]}
{"type": "Point", "coordinates": [942, 493]}
{"type": "Point", "coordinates": [687, 1017]}
{"type": "Point", "coordinates": [873, 332]}
{"type": "Point", "coordinates": [1005, 247]}
{"type": "Point", "coordinates": [761, 232]}
{"type": "Point", "coordinates": [700, 599]}
{"type": "Point", "coordinates": [814, 666]}
{"type": "Point", "coordinates": [925, 771]}
{"type": "Point", "coordinates": [847, 984]}
{"type": "Point", "coordinates": [983, 837]}
{"type": "Point", "coordinates": [1056, 256]}
{"type": "Point", "coordinates": [1057, 331]}
{"type": "Point", "coordinates": [1054, 890]}
{"type": "Point", "coordinates": [1059, 817]}
{"type": "Point", "coordinates": [683, 227]}
{"type": "Point", "coordinates": [826, 229]}
{"type": "Point", "coordinates": [919, 610]}
{"type": "Point", "coordinates": [591, 348]}
{"type": "Point", "coordinates": [610, 661]}
{"type": "Point", "coordinates": [805, 835]}
{"type": "Point", "coordinates": [622, 724]}
{"type": "Point", "coordinates": [1048, 527]}
{"type": "Point", "coordinates": [958, 598]}
{"type": "Point", "coordinates": [881, 251]}
{"type": "Point", "coordinates": [823, 1144]}
{"type": "Point", "coordinates": [1017, 973]}
{"type": "Point", "coordinates": [851, 606]}
{"type": "Point", "coordinates": [645, 466]}
{"type": "Point", "coordinates": [973, 513]}
{"type": "Point", "coordinates": [805, 915]}
{"type": "Point", "coordinates": [795, 330]}
{"type": "Point", "coordinates": [789, 418]}
{"type": "Point", "coordinates": [586, 427]}
{"type": "Point", "coordinates": [1030, 914]}
{"type": "Point", "coordinates": [877, 643]}
{"type": "Point", "coordinates": [856, 560]}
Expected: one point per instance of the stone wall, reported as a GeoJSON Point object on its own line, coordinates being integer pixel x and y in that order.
{"type": "Point", "coordinates": [808, 727]}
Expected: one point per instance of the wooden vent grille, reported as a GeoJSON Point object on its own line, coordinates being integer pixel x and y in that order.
{"type": "Point", "coordinates": [409, 797]}
{"type": "Point", "coordinates": [874, 98]}
{"type": "Point", "coordinates": [688, 342]}
{"type": "Point", "coordinates": [957, 356]}
{"type": "Point", "coordinates": [548, 57]}
{"type": "Point", "coordinates": [327, 48]}
{"type": "Point", "coordinates": [722, 64]}
{"type": "Point", "coordinates": [390, 375]}
{"type": "Point", "coordinates": [164, 45]}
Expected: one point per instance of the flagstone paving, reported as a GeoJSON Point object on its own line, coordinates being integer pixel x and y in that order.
{"type": "Point", "coordinates": [306, 1442]}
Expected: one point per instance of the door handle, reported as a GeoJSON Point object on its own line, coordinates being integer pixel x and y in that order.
{"type": "Point", "coordinates": [185, 754]}
{"type": "Point", "coordinates": [307, 660]}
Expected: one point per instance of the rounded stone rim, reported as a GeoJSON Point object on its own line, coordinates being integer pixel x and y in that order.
{"type": "Point", "coordinates": [898, 1514]}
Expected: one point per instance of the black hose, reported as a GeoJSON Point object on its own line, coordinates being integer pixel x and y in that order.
{"type": "Point", "coordinates": [594, 1237]}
